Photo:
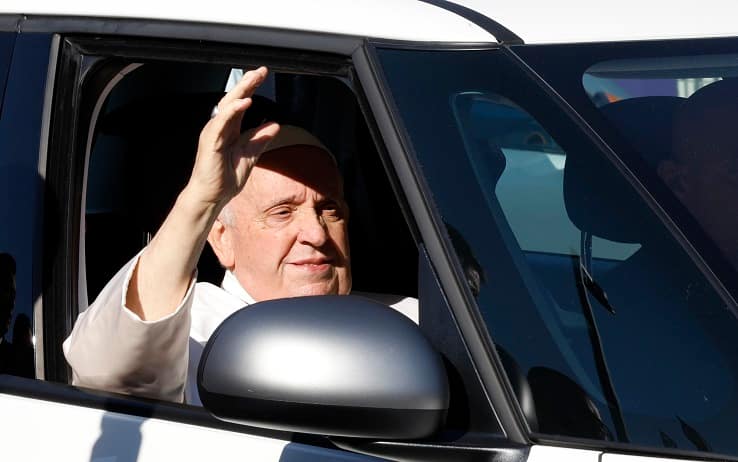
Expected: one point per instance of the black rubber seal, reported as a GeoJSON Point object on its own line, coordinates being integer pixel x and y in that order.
{"type": "Point", "coordinates": [347, 421]}
{"type": "Point", "coordinates": [501, 33]}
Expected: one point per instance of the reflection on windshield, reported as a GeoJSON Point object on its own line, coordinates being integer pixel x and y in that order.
{"type": "Point", "coordinates": [692, 147]}
{"type": "Point", "coordinates": [585, 293]}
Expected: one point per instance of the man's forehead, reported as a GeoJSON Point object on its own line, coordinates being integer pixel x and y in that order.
{"type": "Point", "coordinates": [292, 170]}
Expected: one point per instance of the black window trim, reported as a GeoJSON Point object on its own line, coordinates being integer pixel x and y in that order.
{"type": "Point", "coordinates": [38, 308]}
{"type": "Point", "coordinates": [439, 248]}
{"type": "Point", "coordinates": [501, 33]}
{"type": "Point", "coordinates": [9, 23]}
{"type": "Point", "coordinates": [92, 63]}
{"type": "Point", "coordinates": [72, 113]}
{"type": "Point", "coordinates": [187, 30]}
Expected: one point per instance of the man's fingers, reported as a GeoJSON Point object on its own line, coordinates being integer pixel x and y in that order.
{"type": "Point", "coordinates": [245, 87]}
{"type": "Point", "coordinates": [264, 132]}
{"type": "Point", "coordinates": [228, 120]}
{"type": "Point", "coordinates": [250, 146]}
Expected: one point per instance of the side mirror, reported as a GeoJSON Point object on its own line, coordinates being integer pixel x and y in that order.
{"type": "Point", "coordinates": [331, 365]}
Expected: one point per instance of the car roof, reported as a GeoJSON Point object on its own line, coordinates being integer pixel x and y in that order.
{"type": "Point", "coordinates": [534, 21]}
{"type": "Point", "coordinates": [577, 21]}
{"type": "Point", "coordinates": [387, 19]}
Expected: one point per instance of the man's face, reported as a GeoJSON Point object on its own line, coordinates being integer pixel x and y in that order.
{"type": "Point", "coordinates": [289, 232]}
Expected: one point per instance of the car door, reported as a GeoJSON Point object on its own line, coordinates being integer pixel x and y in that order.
{"type": "Point", "coordinates": [53, 86]}
{"type": "Point", "coordinates": [94, 111]}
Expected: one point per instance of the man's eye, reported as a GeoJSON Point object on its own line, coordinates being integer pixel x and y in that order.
{"type": "Point", "coordinates": [282, 213]}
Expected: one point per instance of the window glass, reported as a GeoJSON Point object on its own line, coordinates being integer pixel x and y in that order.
{"type": "Point", "coordinates": [137, 168]}
{"type": "Point", "coordinates": [20, 197]}
{"type": "Point", "coordinates": [678, 114]}
{"type": "Point", "coordinates": [531, 190]}
{"type": "Point", "coordinates": [7, 261]}
{"type": "Point", "coordinates": [585, 293]}
{"type": "Point", "coordinates": [7, 39]}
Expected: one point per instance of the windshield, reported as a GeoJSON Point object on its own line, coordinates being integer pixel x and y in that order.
{"type": "Point", "coordinates": [584, 291]}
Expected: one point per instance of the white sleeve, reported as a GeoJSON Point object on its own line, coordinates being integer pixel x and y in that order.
{"type": "Point", "coordinates": [111, 348]}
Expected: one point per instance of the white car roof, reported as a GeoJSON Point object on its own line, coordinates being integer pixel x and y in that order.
{"type": "Point", "coordinates": [388, 19]}
{"type": "Point", "coordinates": [576, 21]}
{"type": "Point", "coordinates": [534, 21]}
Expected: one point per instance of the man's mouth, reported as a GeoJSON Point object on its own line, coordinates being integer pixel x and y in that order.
{"type": "Point", "coordinates": [313, 264]}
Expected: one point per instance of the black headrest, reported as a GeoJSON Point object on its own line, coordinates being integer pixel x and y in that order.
{"type": "Point", "coordinates": [161, 137]}
{"type": "Point", "coordinates": [598, 199]}
{"type": "Point", "coordinates": [705, 125]}
{"type": "Point", "coordinates": [178, 111]}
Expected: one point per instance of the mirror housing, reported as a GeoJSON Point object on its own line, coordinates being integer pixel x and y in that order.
{"type": "Point", "coordinates": [331, 365]}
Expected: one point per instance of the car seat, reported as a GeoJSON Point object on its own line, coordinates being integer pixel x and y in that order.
{"type": "Point", "coordinates": [649, 292]}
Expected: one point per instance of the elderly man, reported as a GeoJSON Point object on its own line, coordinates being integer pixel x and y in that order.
{"type": "Point", "coordinates": [270, 203]}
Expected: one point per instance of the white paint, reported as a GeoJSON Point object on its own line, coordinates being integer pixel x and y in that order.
{"type": "Point", "coordinates": [561, 21]}
{"type": "Point", "coordinates": [553, 454]}
{"type": "Point", "coordinates": [391, 19]}
{"type": "Point", "coordinates": [535, 21]}
{"type": "Point", "coordinates": [36, 430]}
{"type": "Point", "coordinates": [43, 430]}
{"type": "Point", "coordinates": [629, 458]}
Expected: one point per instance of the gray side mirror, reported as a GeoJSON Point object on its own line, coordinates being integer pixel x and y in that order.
{"type": "Point", "coordinates": [331, 365]}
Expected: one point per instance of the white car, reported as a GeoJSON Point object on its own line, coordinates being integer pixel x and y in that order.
{"type": "Point", "coordinates": [555, 182]}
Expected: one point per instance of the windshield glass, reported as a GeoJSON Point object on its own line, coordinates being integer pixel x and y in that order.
{"type": "Point", "coordinates": [615, 331]}
{"type": "Point", "coordinates": [678, 113]}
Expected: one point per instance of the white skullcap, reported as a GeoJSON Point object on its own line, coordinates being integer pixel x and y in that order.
{"type": "Point", "coordinates": [290, 135]}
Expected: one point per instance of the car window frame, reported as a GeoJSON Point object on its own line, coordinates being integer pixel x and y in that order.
{"type": "Point", "coordinates": [436, 243]}
{"type": "Point", "coordinates": [79, 57]}
{"type": "Point", "coordinates": [86, 65]}
{"type": "Point", "coordinates": [64, 131]}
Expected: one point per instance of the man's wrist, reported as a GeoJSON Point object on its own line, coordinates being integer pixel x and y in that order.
{"type": "Point", "coordinates": [191, 200]}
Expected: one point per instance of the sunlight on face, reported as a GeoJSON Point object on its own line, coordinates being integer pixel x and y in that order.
{"type": "Point", "coordinates": [290, 233]}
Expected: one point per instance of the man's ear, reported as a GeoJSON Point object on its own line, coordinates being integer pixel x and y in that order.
{"type": "Point", "coordinates": [672, 173]}
{"type": "Point", "coordinates": [220, 239]}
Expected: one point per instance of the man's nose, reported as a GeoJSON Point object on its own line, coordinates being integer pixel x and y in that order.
{"type": "Point", "coordinates": [312, 229]}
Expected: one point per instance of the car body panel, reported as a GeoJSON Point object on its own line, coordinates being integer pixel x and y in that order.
{"type": "Point", "coordinates": [364, 18]}
{"type": "Point", "coordinates": [578, 21]}
{"type": "Point", "coordinates": [547, 453]}
{"type": "Point", "coordinates": [72, 432]}
{"type": "Point", "coordinates": [40, 430]}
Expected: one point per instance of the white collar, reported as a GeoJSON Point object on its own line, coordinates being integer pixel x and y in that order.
{"type": "Point", "coordinates": [231, 285]}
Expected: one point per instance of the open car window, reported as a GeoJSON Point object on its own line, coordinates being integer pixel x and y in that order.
{"type": "Point", "coordinates": [144, 145]}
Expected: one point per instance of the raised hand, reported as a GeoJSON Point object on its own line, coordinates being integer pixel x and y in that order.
{"type": "Point", "coordinates": [224, 160]}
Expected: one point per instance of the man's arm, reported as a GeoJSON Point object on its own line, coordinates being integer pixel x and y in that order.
{"type": "Point", "coordinates": [134, 337]}
{"type": "Point", "coordinates": [223, 163]}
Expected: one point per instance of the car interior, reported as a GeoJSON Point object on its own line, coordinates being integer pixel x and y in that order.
{"type": "Point", "coordinates": [144, 147]}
